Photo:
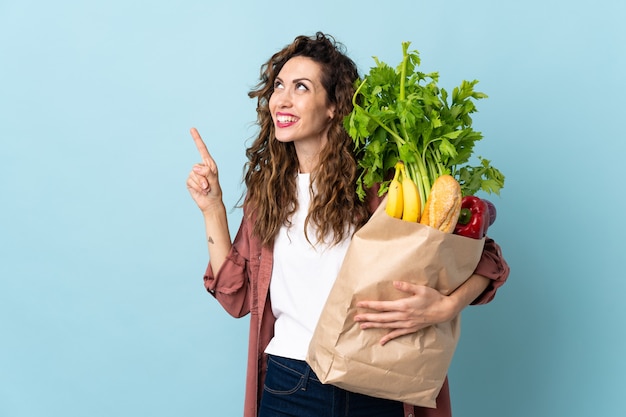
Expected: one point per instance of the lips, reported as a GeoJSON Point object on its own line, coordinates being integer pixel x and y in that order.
{"type": "Point", "coordinates": [285, 120]}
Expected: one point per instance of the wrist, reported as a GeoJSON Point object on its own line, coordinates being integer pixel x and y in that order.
{"type": "Point", "coordinates": [455, 306]}
{"type": "Point", "coordinates": [214, 209]}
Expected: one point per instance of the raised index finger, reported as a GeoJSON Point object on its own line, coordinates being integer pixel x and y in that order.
{"type": "Point", "coordinates": [204, 152]}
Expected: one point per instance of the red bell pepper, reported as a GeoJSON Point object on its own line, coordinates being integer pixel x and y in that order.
{"type": "Point", "coordinates": [473, 219]}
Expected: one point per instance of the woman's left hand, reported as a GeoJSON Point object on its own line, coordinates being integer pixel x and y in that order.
{"type": "Point", "coordinates": [422, 307]}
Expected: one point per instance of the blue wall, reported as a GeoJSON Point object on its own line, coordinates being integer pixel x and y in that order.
{"type": "Point", "coordinates": [102, 308]}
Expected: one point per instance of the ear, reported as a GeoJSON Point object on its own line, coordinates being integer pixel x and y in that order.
{"type": "Point", "coordinates": [331, 111]}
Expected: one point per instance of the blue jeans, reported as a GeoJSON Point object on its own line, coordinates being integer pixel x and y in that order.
{"type": "Point", "coordinates": [292, 389]}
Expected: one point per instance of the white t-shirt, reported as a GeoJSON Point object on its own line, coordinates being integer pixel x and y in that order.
{"type": "Point", "coordinates": [302, 278]}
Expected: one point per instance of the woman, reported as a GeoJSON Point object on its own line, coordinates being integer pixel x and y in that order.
{"type": "Point", "coordinates": [300, 211]}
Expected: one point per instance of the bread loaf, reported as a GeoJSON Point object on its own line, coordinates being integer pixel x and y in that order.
{"type": "Point", "coordinates": [443, 204]}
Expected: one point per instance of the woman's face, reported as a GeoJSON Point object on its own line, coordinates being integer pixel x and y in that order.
{"type": "Point", "coordinates": [299, 105]}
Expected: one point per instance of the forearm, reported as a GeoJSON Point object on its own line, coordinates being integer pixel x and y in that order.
{"type": "Point", "coordinates": [217, 235]}
{"type": "Point", "coordinates": [423, 307]}
{"type": "Point", "coordinates": [467, 292]}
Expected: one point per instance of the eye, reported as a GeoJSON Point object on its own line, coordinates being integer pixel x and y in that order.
{"type": "Point", "coordinates": [301, 87]}
{"type": "Point", "coordinates": [278, 84]}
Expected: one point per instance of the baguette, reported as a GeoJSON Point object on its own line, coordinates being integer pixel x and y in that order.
{"type": "Point", "coordinates": [443, 205]}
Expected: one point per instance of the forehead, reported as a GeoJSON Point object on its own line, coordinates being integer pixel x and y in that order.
{"type": "Point", "coordinates": [301, 67]}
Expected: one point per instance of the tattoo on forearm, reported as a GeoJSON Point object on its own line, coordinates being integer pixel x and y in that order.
{"type": "Point", "coordinates": [211, 240]}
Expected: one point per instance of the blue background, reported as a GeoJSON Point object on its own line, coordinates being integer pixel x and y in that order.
{"type": "Point", "coordinates": [102, 307]}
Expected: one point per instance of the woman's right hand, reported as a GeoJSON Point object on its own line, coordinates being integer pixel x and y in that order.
{"type": "Point", "coordinates": [203, 183]}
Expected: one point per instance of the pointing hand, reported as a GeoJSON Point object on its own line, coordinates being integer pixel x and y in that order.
{"type": "Point", "coordinates": [203, 183]}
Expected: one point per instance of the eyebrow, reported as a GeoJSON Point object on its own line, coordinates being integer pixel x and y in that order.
{"type": "Point", "coordinates": [297, 80]}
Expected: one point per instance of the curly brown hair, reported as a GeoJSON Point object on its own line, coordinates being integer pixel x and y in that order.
{"type": "Point", "coordinates": [272, 166]}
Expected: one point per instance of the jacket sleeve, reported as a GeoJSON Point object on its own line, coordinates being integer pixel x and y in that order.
{"type": "Point", "coordinates": [230, 285]}
{"type": "Point", "coordinates": [492, 265]}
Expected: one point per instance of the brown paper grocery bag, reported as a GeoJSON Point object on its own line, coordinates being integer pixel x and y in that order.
{"type": "Point", "coordinates": [411, 368]}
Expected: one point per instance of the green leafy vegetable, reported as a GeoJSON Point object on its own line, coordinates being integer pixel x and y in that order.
{"type": "Point", "coordinates": [402, 114]}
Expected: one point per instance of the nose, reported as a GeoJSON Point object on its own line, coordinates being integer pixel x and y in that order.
{"type": "Point", "coordinates": [282, 98]}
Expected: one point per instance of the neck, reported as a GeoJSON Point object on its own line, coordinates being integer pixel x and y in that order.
{"type": "Point", "coordinates": [306, 166]}
{"type": "Point", "coordinates": [308, 156]}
